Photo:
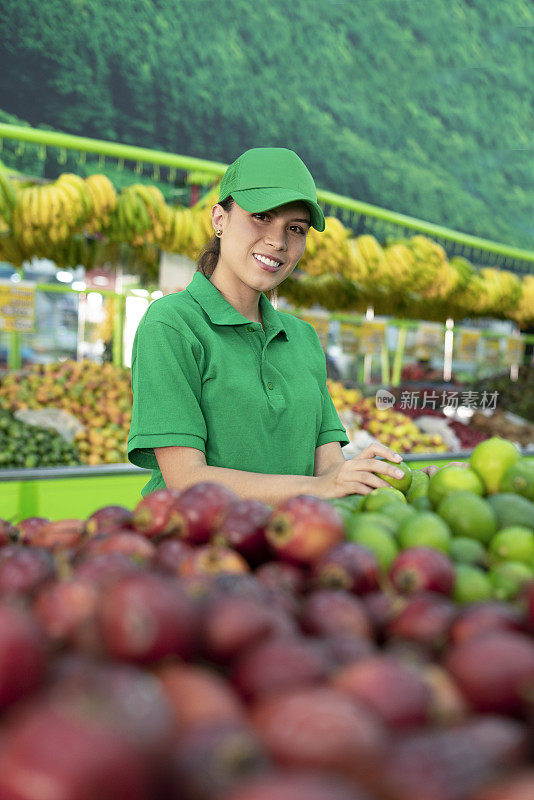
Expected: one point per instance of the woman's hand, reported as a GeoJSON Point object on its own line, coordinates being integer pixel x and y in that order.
{"type": "Point", "coordinates": [358, 475]}
{"type": "Point", "coordinates": [432, 469]}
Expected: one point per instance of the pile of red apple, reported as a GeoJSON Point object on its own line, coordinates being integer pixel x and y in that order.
{"type": "Point", "coordinates": [204, 647]}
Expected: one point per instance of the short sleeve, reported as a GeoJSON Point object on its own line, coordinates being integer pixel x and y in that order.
{"type": "Point", "coordinates": [332, 429]}
{"type": "Point", "coordinates": [166, 387]}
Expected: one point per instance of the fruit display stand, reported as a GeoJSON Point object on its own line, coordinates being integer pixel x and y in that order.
{"type": "Point", "coordinates": [57, 493]}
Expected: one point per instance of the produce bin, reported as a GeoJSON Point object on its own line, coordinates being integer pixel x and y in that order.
{"type": "Point", "coordinates": [76, 492]}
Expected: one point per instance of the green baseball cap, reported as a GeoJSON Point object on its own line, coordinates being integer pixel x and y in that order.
{"type": "Point", "coordinates": [266, 177]}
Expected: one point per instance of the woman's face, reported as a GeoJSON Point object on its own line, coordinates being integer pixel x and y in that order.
{"type": "Point", "coordinates": [278, 234]}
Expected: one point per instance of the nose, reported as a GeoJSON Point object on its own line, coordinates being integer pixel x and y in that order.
{"type": "Point", "coordinates": [276, 236]}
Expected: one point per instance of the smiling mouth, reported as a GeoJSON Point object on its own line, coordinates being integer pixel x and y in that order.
{"type": "Point", "coordinates": [269, 264]}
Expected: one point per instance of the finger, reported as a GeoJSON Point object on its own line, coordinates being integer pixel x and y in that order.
{"type": "Point", "coordinates": [373, 465]}
{"type": "Point", "coordinates": [430, 470]}
{"type": "Point", "coordinates": [359, 488]}
{"type": "Point", "coordinates": [377, 449]}
{"type": "Point", "coordinates": [373, 481]}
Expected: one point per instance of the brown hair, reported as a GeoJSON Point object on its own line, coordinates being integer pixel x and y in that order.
{"type": "Point", "coordinates": [209, 255]}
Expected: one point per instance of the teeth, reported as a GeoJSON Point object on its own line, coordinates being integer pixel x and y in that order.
{"type": "Point", "coordinates": [268, 261]}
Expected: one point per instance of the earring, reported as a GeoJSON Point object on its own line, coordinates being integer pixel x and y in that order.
{"type": "Point", "coordinates": [218, 233]}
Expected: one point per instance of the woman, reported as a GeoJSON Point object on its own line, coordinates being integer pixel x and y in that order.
{"type": "Point", "coordinates": [226, 388]}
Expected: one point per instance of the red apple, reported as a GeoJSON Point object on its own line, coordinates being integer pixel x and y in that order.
{"type": "Point", "coordinates": [426, 619]}
{"type": "Point", "coordinates": [107, 519]}
{"type": "Point", "coordinates": [200, 510]}
{"type": "Point", "coordinates": [212, 559]}
{"type": "Point", "coordinates": [397, 694]}
{"type": "Point", "coordinates": [103, 569]}
{"type": "Point", "coordinates": [143, 618]}
{"type": "Point", "coordinates": [297, 785]}
{"type": "Point", "coordinates": [477, 618]}
{"type": "Point", "coordinates": [281, 577]}
{"type": "Point", "coordinates": [64, 606]}
{"type": "Point", "coordinates": [231, 624]}
{"type": "Point", "coordinates": [347, 566]}
{"type": "Point", "coordinates": [447, 703]}
{"type": "Point", "coordinates": [519, 786]}
{"type": "Point", "coordinates": [320, 728]}
{"type": "Point", "coordinates": [303, 528]}
{"type": "Point", "coordinates": [155, 514]}
{"type": "Point", "coordinates": [54, 753]}
{"type": "Point", "coordinates": [59, 534]}
{"type": "Point", "coordinates": [493, 669]}
{"type": "Point", "coordinates": [127, 542]}
{"type": "Point", "coordinates": [198, 696]}
{"type": "Point", "coordinates": [438, 764]}
{"type": "Point", "coordinates": [418, 568]}
{"type": "Point", "coordinates": [22, 654]}
{"type": "Point", "coordinates": [278, 664]}
{"type": "Point", "coordinates": [333, 611]}
{"type": "Point", "coordinates": [170, 553]}
{"type": "Point", "coordinates": [27, 527]}
{"type": "Point", "coordinates": [243, 528]}
{"type": "Point", "coordinates": [345, 648]}
{"type": "Point", "coordinates": [211, 760]}
{"type": "Point", "coordinates": [24, 569]}
{"type": "Point", "coordinates": [381, 607]}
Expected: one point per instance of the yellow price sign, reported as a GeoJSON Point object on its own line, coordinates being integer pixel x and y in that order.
{"type": "Point", "coordinates": [349, 337]}
{"type": "Point", "coordinates": [467, 345]}
{"type": "Point", "coordinates": [491, 351]}
{"type": "Point", "coordinates": [429, 342]}
{"type": "Point", "coordinates": [372, 337]}
{"type": "Point", "coordinates": [17, 306]}
{"type": "Point", "coordinates": [321, 325]}
{"type": "Point", "coordinates": [515, 348]}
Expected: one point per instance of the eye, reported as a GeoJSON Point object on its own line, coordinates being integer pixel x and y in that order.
{"type": "Point", "coordinates": [300, 230]}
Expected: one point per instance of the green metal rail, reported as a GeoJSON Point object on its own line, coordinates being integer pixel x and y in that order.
{"type": "Point", "coordinates": [348, 209]}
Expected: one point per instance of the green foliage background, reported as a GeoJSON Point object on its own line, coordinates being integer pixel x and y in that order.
{"type": "Point", "coordinates": [421, 106]}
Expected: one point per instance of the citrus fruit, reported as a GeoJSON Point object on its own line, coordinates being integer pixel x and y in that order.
{"type": "Point", "coordinates": [418, 486]}
{"type": "Point", "coordinates": [508, 578]}
{"type": "Point", "coordinates": [491, 458]}
{"type": "Point", "coordinates": [514, 543]}
{"type": "Point", "coordinates": [425, 529]}
{"type": "Point", "coordinates": [512, 509]}
{"type": "Point", "coordinates": [345, 511]}
{"type": "Point", "coordinates": [353, 500]}
{"type": "Point", "coordinates": [381, 497]}
{"type": "Point", "coordinates": [366, 520]}
{"type": "Point", "coordinates": [467, 514]}
{"type": "Point", "coordinates": [398, 512]}
{"type": "Point", "coordinates": [402, 484]}
{"type": "Point", "coordinates": [421, 503]}
{"type": "Point", "coordinates": [453, 479]}
{"type": "Point", "coordinates": [464, 550]}
{"type": "Point", "coordinates": [472, 584]}
{"type": "Point", "coordinates": [379, 541]}
{"type": "Point", "coordinates": [519, 478]}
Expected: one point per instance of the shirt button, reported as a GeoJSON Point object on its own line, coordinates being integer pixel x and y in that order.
{"type": "Point", "coordinates": [250, 328]}
{"type": "Point", "coordinates": [270, 385]}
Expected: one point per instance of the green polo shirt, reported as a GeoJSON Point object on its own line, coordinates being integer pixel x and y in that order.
{"type": "Point", "coordinates": [250, 398]}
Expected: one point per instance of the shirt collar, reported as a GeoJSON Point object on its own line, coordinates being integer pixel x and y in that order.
{"type": "Point", "coordinates": [221, 312]}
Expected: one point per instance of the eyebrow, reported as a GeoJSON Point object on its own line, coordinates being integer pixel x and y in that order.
{"type": "Point", "coordinates": [295, 219]}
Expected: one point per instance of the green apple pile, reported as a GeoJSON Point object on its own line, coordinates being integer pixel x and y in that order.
{"type": "Point", "coordinates": [481, 515]}
{"type": "Point", "coordinates": [202, 646]}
